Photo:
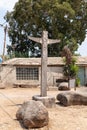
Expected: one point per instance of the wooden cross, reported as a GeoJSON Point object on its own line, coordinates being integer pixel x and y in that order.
{"type": "Point", "coordinates": [44, 41]}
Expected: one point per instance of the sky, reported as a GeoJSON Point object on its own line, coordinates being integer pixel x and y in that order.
{"type": "Point", "coordinates": [7, 5]}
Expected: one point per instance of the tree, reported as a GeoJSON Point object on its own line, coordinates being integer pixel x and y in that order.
{"type": "Point", "coordinates": [70, 68]}
{"type": "Point", "coordinates": [63, 19]}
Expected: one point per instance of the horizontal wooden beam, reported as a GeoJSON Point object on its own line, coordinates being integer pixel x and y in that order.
{"type": "Point", "coordinates": [38, 40]}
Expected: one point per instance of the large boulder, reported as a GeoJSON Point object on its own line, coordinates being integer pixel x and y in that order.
{"type": "Point", "coordinates": [63, 86]}
{"type": "Point", "coordinates": [33, 114]}
{"type": "Point", "coordinates": [72, 98]}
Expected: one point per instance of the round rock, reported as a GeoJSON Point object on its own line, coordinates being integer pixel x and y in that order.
{"type": "Point", "coordinates": [63, 86]}
{"type": "Point", "coordinates": [33, 114]}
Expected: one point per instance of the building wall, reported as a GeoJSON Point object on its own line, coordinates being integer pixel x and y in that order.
{"type": "Point", "coordinates": [8, 76]}
{"type": "Point", "coordinates": [0, 72]}
{"type": "Point", "coordinates": [86, 76]}
{"type": "Point", "coordinates": [82, 75]}
{"type": "Point", "coordinates": [54, 73]}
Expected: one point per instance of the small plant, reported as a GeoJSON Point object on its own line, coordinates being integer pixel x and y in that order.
{"type": "Point", "coordinates": [77, 82]}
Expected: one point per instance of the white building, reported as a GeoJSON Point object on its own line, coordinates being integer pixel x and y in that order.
{"type": "Point", "coordinates": [26, 72]}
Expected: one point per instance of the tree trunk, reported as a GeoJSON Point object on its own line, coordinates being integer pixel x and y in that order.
{"type": "Point", "coordinates": [72, 98]}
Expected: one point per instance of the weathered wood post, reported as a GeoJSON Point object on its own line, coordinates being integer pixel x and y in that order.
{"type": "Point", "coordinates": [44, 41]}
{"type": "Point", "coordinates": [44, 64]}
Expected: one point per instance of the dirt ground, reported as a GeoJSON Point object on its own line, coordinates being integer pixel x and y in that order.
{"type": "Point", "coordinates": [60, 117]}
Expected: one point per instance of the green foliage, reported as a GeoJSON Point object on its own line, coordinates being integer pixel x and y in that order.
{"type": "Point", "coordinates": [77, 82]}
{"type": "Point", "coordinates": [63, 19]}
{"type": "Point", "coordinates": [70, 71]}
{"type": "Point", "coordinates": [70, 68]}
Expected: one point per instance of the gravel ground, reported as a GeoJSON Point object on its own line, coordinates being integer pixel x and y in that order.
{"type": "Point", "coordinates": [60, 117]}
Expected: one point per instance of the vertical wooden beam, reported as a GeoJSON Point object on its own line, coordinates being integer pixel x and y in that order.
{"type": "Point", "coordinates": [44, 64]}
